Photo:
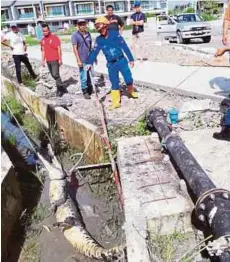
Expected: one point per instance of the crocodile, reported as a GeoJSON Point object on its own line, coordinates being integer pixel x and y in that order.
{"type": "Point", "coordinates": [69, 218]}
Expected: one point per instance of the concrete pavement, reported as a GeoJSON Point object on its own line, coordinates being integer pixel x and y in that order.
{"type": "Point", "coordinates": [207, 82]}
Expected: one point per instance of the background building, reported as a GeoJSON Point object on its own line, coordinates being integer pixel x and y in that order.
{"type": "Point", "coordinates": [65, 12]}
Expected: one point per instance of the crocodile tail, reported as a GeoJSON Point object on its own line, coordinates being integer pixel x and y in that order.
{"type": "Point", "coordinates": [86, 245]}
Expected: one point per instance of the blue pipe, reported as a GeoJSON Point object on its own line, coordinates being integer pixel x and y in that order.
{"type": "Point", "coordinates": [22, 145]}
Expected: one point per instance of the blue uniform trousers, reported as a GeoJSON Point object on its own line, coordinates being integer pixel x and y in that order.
{"type": "Point", "coordinates": [121, 66]}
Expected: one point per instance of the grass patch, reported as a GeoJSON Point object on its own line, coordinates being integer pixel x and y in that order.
{"type": "Point", "coordinates": [140, 129]}
{"type": "Point", "coordinates": [32, 126]}
{"type": "Point", "coordinates": [31, 250]}
{"type": "Point", "coordinates": [164, 248]}
{"type": "Point", "coordinates": [16, 108]}
{"type": "Point", "coordinates": [28, 81]}
{"type": "Point", "coordinates": [31, 41]}
{"type": "Point", "coordinates": [72, 29]}
{"type": "Point", "coordinates": [12, 140]}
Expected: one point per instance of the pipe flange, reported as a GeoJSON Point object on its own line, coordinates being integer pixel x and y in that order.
{"type": "Point", "coordinates": [210, 195]}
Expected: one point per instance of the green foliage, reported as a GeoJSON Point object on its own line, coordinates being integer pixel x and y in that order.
{"type": "Point", "coordinates": [142, 128]}
{"type": "Point", "coordinates": [28, 81]}
{"type": "Point", "coordinates": [32, 126]}
{"type": "Point", "coordinates": [39, 214]}
{"type": "Point", "coordinates": [147, 15]}
{"type": "Point", "coordinates": [16, 108]}
{"type": "Point", "coordinates": [165, 246]}
{"type": "Point", "coordinates": [12, 140]}
{"type": "Point", "coordinates": [208, 17]}
{"type": "Point", "coordinates": [189, 10]}
{"type": "Point", "coordinates": [72, 29]}
{"type": "Point", "coordinates": [32, 40]}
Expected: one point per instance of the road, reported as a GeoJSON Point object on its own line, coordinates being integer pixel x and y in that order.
{"type": "Point", "coordinates": [151, 35]}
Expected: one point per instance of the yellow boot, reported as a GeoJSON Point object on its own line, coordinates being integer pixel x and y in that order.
{"type": "Point", "coordinates": [115, 97]}
{"type": "Point", "coordinates": [131, 91]}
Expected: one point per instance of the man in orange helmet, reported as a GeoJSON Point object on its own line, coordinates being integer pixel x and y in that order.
{"type": "Point", "coordinates": [113, 47]}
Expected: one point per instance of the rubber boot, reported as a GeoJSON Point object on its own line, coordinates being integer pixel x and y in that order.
{"type": "Point", "coordinates": [131, 91]}
{"type": "Point", "coordinates": [115, 97]}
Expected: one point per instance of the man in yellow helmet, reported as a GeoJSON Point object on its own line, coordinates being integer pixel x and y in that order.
{"type": "Point", "coordinates": [113, 47]}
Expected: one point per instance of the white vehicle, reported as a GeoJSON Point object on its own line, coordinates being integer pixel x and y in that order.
{"type": "Point", "coordinates": [183, 27]}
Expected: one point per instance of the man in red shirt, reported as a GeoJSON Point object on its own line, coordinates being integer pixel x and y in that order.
{"type": "Point", "coordinates": [52, 55]}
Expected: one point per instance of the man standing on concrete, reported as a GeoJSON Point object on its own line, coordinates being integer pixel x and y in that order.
{"type": "Point", "coordinates": [52, 55]}
{"type": "Point", "coordinates": [113, 46]}
{"type": "Point", "coordinates": [82, 44]}
{"type": "Point", "coordinates": [137, 20]}
{"type": "Point", "coordinates": [19, 48]}
{"type": "Point", "coordinates": [116, 23]}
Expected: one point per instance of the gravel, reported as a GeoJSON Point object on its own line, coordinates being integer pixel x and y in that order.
{"type": "Point", "coordinates": [131, 110]}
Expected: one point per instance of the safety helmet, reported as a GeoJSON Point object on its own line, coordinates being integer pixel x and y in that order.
{"type": "Point", "coordinates": [102, 20]}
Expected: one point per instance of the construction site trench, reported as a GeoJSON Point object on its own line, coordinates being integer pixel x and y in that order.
{"type": "Point", "coordinates": [94, 189]}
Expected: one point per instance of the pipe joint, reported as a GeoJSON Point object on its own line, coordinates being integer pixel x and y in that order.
{"type": "Point", "coordinates": [209, 205]}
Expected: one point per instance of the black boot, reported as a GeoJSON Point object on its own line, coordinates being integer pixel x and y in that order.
{"type": "Point", "coordinates": [86, 94]}
{"type": "Point", "coordinates": [61, 91]}
{"type": "Point", "coordinates": [223, 135]}
{"type": "Point", "coordinates": [90, 89]}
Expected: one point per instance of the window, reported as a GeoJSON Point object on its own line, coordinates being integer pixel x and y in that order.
{"type": "Point", "coordinates": [118, 6]}
{"type": "Point", "coordinates": [55, 10]}
{"type": "Point", "coordinates": [151, 5]}
{"type": "Point", "coordinates": [84, 8]}
{"type": "Point", "coordinates": [25, 13]}
{"type": "Point", "coordinates": [5, 14]}
{"type": "Point", "coordinates": [188, 18]}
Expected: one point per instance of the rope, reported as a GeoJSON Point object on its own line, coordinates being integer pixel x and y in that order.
{"type": "Point", "coordinates": [81, 154]}
{"type": "Point", "coordinates": [28, 106]}
{"type": "Point", "coordinates": [107, 142]}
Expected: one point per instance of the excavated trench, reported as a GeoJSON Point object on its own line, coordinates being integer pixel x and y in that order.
{"type": "Point", "coordinates": [94, 191]}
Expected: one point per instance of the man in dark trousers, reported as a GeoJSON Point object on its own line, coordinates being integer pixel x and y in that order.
{"type": "Point", "coordinates": [82, 43]}
{"type": "Point", "coordinates": [18, 46]}
{"type": "Point", "coordinates": [137, 20]}
{"type": "Point", "coordinates": [52, 55]}
{"type": "Point", "coordinates": [116, 23]}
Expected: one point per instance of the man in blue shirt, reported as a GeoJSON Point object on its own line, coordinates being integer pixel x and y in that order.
{"type": "Point", "coordinates": [113, 47]}
{"type": "Point", "coordinates": [137, 20]}
{"type": "Point", "coordinates": [82, 43]}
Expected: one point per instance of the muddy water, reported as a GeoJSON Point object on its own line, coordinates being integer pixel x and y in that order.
{"type": "Point", "coordinates": [96, 196]}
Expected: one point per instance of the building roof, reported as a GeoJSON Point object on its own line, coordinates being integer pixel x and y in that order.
{"type": "Point", "coordinates": [28, 2]}
{"type": "Point", "coordinates": [6, 3]}
{"type": "Point", "coordinates": [54, 2]}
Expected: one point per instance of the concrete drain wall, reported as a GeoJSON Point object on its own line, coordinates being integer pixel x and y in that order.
{"type": "Point", "coordinates": [77, 131]}
{"type": "Point", "coordinates": [11, 201]}
{"type": "Point", "coordinates": [152, 200]}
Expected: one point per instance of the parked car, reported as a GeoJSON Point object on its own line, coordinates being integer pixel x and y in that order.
{"type": "Point", "coordinates": [183, 27]}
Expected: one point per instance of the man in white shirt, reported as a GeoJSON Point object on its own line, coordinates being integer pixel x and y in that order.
{"type": "Point", "coordinates": [19, 48]}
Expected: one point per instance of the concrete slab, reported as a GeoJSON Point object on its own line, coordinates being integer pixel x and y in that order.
{"type": "Point", "coordinates": [213, 155]}
{"type": "Point", "coordinates": [209, 81]}
{"type": "Point", "coordinates": [150, 189]}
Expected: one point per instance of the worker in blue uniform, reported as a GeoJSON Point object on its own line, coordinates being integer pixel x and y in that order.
{"type": "Point", "coordinates": [113, 47]}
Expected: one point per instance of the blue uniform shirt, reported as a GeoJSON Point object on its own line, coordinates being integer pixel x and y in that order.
{"type": "Point", "coordinates": [112, 47]}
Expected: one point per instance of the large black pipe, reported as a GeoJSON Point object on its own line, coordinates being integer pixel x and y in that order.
{"type": "Point", "coordinates": [212, 207]}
